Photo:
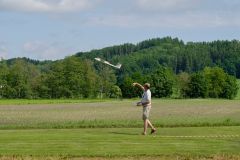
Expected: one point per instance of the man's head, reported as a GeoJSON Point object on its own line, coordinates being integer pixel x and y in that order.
{"type": "Point", "coordinates": [146, 86]}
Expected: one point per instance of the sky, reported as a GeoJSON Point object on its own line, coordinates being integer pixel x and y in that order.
{"type": "Point", "coordinates": [54, 29]}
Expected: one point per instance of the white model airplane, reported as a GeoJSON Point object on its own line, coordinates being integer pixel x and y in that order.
{"type": "Point", "coordinates": [118, 66]}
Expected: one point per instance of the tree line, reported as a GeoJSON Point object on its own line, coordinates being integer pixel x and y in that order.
{"type": "Point", "coordinates": [67, 78]}
{"type": "Point", "coordinates": [172, 67]}
{"type": "Point", "coordinates": [173, 53]}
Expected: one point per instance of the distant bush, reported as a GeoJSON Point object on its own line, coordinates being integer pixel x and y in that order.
{"type": "Point", "coordinates": [211, 83]}
{"type": "Point", "coordinates": [161, 81]}
{"type": "Point", "coordinates": [197, 86]}
{"type": "Point", "coordinates": [182, 81]}
{"type": "Point", "coordinates": [115, 92]}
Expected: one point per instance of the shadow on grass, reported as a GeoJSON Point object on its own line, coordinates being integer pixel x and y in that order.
{"type": "Point", "coordinates": [125, 133]}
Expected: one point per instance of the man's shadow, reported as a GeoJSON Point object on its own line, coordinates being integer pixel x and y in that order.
{"type": "Point", "coordinates": [124, 133]}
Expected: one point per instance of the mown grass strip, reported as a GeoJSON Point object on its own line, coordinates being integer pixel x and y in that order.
{"type": "Point", "coordinates": [115, 124]}
{"type": "Point", "coordinates": [163, 157]}
{"type": "Point", "coordinates": [119, 142]}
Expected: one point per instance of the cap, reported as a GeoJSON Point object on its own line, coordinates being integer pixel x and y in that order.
{"type": "Point", "coordinates": [147, 85]}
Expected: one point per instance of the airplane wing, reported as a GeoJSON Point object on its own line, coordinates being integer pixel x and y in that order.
{"type": "Point", "coordinates": [97, 59]}
{"type": "Point", "coordinates": [118, 66]}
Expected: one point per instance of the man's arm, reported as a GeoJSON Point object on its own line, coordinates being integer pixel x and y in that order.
{"type": "Point", "coordinates": [143, 103]}
{"type": "Point", "coordinates": [146, 103]}
{"type": "Point", "coordinates": [138, 85]}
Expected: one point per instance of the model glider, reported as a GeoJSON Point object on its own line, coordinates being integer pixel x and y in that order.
{"type": "Point", "coordinates": [118, 66]}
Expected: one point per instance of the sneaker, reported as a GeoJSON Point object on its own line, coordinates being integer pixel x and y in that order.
{"type": "Point", "coordinates": [144, 133]}
{"type": "Point", "coordinates": [153, 131]}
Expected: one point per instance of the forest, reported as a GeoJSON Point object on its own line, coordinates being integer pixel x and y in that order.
{"type": "Point", "coordinates": [173, 68]}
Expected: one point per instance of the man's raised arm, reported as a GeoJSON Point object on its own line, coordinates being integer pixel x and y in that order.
{"type": "Point", "coordinates": [138, 85]}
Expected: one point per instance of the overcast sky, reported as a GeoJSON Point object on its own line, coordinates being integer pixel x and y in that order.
{"type": "Point", "coordinates": [53, 29]}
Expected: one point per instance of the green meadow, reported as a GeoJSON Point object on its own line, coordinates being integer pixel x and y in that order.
{"type": "Point", "coordinates": [120, 142]}
{"type": "Point", "coordinates": [111, 129]}
{"type": "Point", "coordinates": [120, 114]}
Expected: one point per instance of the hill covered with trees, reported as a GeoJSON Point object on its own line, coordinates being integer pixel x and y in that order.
{"type": "Point", "coordinates": [193, 69]}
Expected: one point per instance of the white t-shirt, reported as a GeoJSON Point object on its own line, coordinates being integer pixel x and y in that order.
{"type": "Point", "coordinates": [146, 97]}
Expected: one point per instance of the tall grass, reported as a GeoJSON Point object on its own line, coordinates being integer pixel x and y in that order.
{"type": "Point", "coordinates": [49, 101]}
{"type": "Point", "coordinates": [110, 114]}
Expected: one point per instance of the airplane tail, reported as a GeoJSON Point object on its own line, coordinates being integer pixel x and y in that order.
{"type": "Point", "coordinates": [119, 65]}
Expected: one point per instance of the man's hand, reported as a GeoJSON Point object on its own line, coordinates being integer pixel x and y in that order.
{"type": "Point", "coordinates": [134, 84]}
{"type": "Point", "coordinates": [139, 103]}
{"type": "Point", "coordinates": [145, 103]}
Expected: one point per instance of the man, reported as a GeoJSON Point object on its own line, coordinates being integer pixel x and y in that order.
{"type": "Point", "coordinates": [146, 103]}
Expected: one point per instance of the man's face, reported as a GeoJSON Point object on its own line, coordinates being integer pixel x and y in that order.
{"type": "Point", "coordinates": [145, 87]}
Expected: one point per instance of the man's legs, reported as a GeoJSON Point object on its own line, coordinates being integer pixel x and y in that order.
{"type": "Point", "coordinates": [154, 130]}
{"type": "Point", "coordinates": [145, 125]}
{"type": "Point", "coordinates": [147, 122]}
{"type": "Point", "coordinates": [150, 124]}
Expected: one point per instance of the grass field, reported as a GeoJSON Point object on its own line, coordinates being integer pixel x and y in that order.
{"type": "Point", "coordinates": [165, 113]}
{"type": "Point", "coordinates": [111, 130]}
{"type": "Point", "coordinates": [49, 101]}
{"type": "Point", "coordinates": [120, 142]}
